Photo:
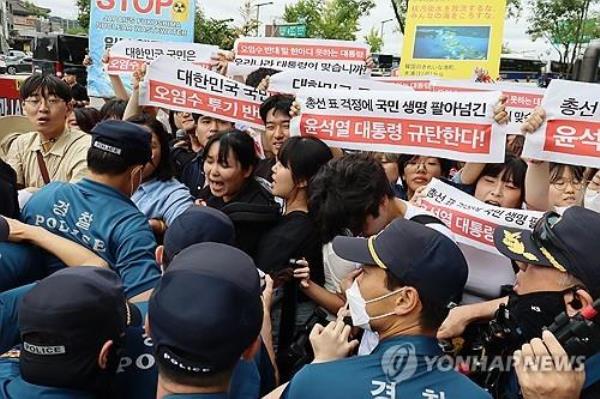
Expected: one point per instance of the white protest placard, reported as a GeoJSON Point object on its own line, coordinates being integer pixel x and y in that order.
{"type": "Point", "coordinates": [290, 82]}
{"type": "Point", "coordinates": [473, 222]}
{"type": "Point", "coordinates": [318, 55]}
{"type": "Point", "coordinates": [421, 83]}
{"type": "Point", "coordinates": [449, 125]}
{"type": "Point", "coordinates": [182, 86]}
{"type": "Point", "coordinates": [127, 55]}
{"type": "Point", "coordinates": [571, 132]}
{"type": "Point", "coordinates": [520, 103]}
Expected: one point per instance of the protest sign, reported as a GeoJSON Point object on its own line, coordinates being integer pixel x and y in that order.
{"type": "Point", "coordinates": [290, 82]}
{"type": "Point", "coordinates": [318, 55]}
{"type": "Point", "coordinates": [520, 103]}
{"type": "Point", "coordinates": [571, 132]}
{"type": "Point", "coordinates": [472, 221]}
{"type": "Point", "coordinates": [417, 84]}
{"type": "Point", "coordinates": [450, 38]}
{"type": "Point", "coordinates": [127, 55]}
{"type": "Point", "coordinates": [152, 21]}
{"type": "Point", "coordinates": [10, 103]}
{"type": "Point", "coordinates": [182, 86]}
{"type": "Point", "coordinates": [448, 125]}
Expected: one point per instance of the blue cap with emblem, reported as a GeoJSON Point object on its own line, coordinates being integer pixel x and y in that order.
{"type": "Point", "coordinates": [126, 140]}
{"type": "Point", "coordinates": [568, 243]}
{"type": "Point", "coordinates": [418, 256]}
{"type": "Point", "coordinates": [206, 309]}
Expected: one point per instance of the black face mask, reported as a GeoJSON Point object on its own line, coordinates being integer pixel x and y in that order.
{"type": "Point", "coordinates": [532, 312]}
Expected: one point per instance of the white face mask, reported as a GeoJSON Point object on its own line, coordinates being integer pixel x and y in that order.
{"type": "Point", "coordinates": [591, 200]}
{"type": "Point", "coordinates": [358, 306]}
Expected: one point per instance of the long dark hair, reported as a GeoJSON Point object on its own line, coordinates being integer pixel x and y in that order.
{"type": "Point", "coordinates": [164, 170]}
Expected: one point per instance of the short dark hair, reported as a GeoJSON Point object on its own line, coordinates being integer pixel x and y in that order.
{"type": "Point", "coordinates": [255, 77]}
{"type": "Point", "coordinates": [172, 125]}
{"type": "Point", "coordinates": [106, 163]}
{"type": "Point", "coordinates": [49, 85]}
{"type": "Point", "coordinates": [432, 314]}
{"type": "Point", "coordinates": [557, 169]}
{"type": "Point", "coordinates": [345, 192]}
{"type": "Point", "coordinates": [304, 156]}
{"type": "Point", "coordinates": [113, 109]}
{"type": "Point", "coordinates": [241, 145]}
{"type": "Point", "coordinates": [514, 169]}
{"type": "Point", "coordinates": [164, 170]}
{"type": "Point", "coordinates": [279, 103]}
{"type": "Point", "coordinates": [193, 380]}
{"type": "Point", "coordinates": [87, 118]}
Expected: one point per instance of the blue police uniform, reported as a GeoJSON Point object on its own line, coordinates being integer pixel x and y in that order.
{"type": "Point", "coordinates": [19, 264]}
{"type": "Point", "coordinates": [368, 376]}
{"type": "Point", "coordinates": [9, 326]}
{"type": "Point", "coordinates": [105, 221]}
{"type": "Point", "coordinates": [12, 386]}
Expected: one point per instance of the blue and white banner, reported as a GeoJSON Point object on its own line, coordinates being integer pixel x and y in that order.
{"type": "Point", "coordinates": [147, 20]}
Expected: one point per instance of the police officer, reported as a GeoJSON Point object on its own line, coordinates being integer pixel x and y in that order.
{"type": "Point", "coordinates": [97, 212]}
{"type": "Point", "coordinates": [197, 358]}
{"type": "Point", "coordinates": [411, 274]}
{"type": "Point", "coordinates": [72, 324]}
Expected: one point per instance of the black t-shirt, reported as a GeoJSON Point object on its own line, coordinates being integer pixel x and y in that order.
{"type": "Point", "coordinates": [294, 236]}
{"type": "Point", "coordinates": [9, 204]}
{"type": "Point", "coordinates": [79, 93]}
{"type": "Point", "coordinates": [253, 211]}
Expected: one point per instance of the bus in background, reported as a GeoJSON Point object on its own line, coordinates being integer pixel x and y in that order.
{"type": "Point", "coordinates": [384, 64]}
{"type": "Point", "coordinates": [517, 68]}
{"type": "Point", "coordinates": [54, 53]}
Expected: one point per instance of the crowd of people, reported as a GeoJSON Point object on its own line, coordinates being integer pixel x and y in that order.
{"type": "Point", "coordinates": [151, 253]}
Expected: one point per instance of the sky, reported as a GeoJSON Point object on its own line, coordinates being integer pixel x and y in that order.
{"type": "Point", "coordinates": [514, 31]}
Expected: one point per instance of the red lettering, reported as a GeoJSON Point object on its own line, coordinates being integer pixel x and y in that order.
{"type": "Point", "coordinates": [105, 4]}
{"type": "Point", "coordinates": [162, 4]}
{"type": "Point", "coordinates": [143, 10]}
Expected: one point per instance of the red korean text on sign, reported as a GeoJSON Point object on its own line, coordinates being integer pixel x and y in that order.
{"type": "Point", "coordinates": [303, 51]}
{"type": "Point", "coordinates": [203, 102]}
{"type": "Point", "coordinates": [573, 137]}
{"type": "Point", "coordinates": [466, 137]}
{"type": "Point", "coordinates": [463, 224]}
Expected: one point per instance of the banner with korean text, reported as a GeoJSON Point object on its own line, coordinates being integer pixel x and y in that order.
{"type": "Point", "coordinates": [472, 221]}
{"type": "Point", "coordinates": [449, 125]}
{"type": "Point", "coordinates": [571, 132]}
{"type": "Point", "coordinates": [521, 100]}
{"type": "Point", "coordinates": [317, 55]}
{"type": "Point", "coordinates": [127, 55]}
{"type": "Point", "coordinates": [290, 82]}
{"type": "Point", "coordinates": [151, 21]}
{"type": "Point", "coordinates": [450, 38]}
{"type": "Point", "coordinates": [183, 86]}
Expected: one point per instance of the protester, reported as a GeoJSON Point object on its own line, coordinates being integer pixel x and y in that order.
{"type": "Point", "coordinates": [410, 275]}
{"type": "Point", "coordinates": [78, 91]}
{"type": "Point", "coordinates": [417, 172]}
{"type": "Point", "coordinates": [53, 152]}
{"type": "Point", "coordinates": [293, 237]}
{"type": "Point", "coordinates": [84, 119]}
{"type": "Point", "coordinates": [160, 197]}
{"type": "Point", "coordinates": [97, 212]}
{"type": "Point", "coordinates": [113, 109]}
{"type": "Point", "coordinates": [229, 163]}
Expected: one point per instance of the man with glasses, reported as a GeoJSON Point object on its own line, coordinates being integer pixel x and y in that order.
{"type": "Point", "coordinates": [558, 267]}
{"type": "Point", "coordinates": [53, 152]}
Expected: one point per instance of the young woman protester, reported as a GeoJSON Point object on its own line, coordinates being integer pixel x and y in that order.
{"type": "Point", "coordinates": [229, 163]}
{"type": "Point", "coordinates": [160, 197]}
{"type": "Point", "coordinates": [293, 243]}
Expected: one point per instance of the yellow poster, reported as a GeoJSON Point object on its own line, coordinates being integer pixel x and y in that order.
{"type": "Point", "coordinates": [450, 38]}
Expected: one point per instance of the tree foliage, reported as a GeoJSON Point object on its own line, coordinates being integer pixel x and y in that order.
{"type": "Point", "coordinates": [83, 16]}
{"type": "Point", "coordinates": [565, 24]}
{"type": "Point", "coordinates": [374, 40]}
{"type": "Point", "coordinates": [213, 31]}
{"type": "Point", "coordinates": [329, 19]}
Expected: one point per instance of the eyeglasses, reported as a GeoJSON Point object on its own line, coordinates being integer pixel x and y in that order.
{"type": "Point", "coordinates": [426, 165]}
{"type": "Point", "coordinates": [37, 102]}
{"type": "Point", "coordinates": [561, 184]}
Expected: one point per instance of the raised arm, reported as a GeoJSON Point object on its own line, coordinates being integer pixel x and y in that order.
{"type": "Point", "coordinates": [69, 252]}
